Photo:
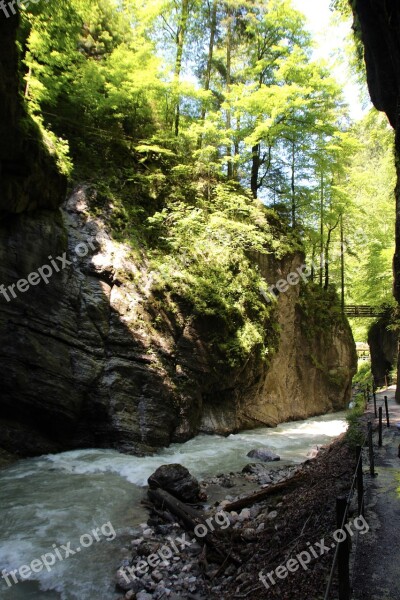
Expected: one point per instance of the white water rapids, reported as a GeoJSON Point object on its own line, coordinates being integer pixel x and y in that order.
{"type": "Point", "coordinates": [55, 499]}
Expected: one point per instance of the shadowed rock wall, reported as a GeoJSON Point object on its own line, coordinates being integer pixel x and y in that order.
{"type": "Point", "coordinates": [90, 358]}
{"type": "Point", "coordinates": [378, 24]}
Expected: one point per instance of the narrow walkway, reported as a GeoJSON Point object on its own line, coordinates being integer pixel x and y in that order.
{"type": "Point", "coordinates": [377, 559]}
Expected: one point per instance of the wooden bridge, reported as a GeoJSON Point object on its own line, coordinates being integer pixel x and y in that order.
{"type": "Point", "coordinates": [363, 311]}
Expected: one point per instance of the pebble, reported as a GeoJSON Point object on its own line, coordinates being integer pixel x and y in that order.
{"type": "Point", "coordinates": [244, 515]}
{"type": "Point", "coordinates": [137, 542]}
{"type": "Point", "coordinates": [183, 577]}
{"type": "Point", "coordinates": [233, 517]}
{"type": "Point", "coordinates": [147, 533]}
{"type": "Point", "coordinates": [249, 533]}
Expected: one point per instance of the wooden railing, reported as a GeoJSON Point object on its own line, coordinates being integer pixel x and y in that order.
{"type": "Point", "coordinates": [363, 311]}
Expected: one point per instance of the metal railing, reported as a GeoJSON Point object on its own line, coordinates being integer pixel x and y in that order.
{"type": "Point", "coordinates": [341, 558]}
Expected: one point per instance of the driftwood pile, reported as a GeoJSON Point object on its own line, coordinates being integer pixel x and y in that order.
{"type": "Point", "coordinates": [205, 527]}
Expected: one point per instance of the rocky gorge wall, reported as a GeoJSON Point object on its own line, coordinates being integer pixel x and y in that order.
{"type": "Point", "coordinates": [378, 26]}
{"type": "Point", "coordinates": [91, 357]}
{"type": "Point", "coordinates": [383, 342]}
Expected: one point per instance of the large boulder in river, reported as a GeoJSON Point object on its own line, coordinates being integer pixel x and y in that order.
{"type": "Point", "coordinates": [264, 454]}
{"type": "Point", "coordinates": [177, 480]}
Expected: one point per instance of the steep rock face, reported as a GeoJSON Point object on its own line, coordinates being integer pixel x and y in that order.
{"type": "Point", "coordinates": [28, 173]}
{"type": "Point", "coordinates": [379, 26]}
{"type": "Point", "coordinates": [312, 370]}
{"type": "Point", "coordinates": [93, 359]}
{"type": "Point", "coordinates": [383, 343]}
{"type": "Point", "coordinates": [88, 357]}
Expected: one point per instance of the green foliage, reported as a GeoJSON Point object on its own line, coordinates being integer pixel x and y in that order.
{"type": "Point", "coordinates": [356, 432]}
{"type": "Point", "coordinates": [363, 377]}
{"type": "Point", "coordinates": [181, 113]}
{"type": "Point", "coordinates": [370, 183]}
{"type": "Point", "coordinates": [205, 256]}
{"type": "Point", "coordinates": [321, 309]}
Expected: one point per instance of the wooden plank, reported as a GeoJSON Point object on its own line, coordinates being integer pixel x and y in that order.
{"type": "Point", "coordinates": [262, 494]}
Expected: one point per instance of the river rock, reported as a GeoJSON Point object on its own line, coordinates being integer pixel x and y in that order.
{"type": "Point", "coordinates": [123, 584]}
{"type": "Point", "coordinates": [244, 515]}
{"type": "Point", "coordinates": [272, 515]}
{"type": "Point", "coordinates": [143, 596]}
{"type": "Point", "coordinates": [313, 452]}
{"type": "Point", "coordinates": [264, 454]}
{"type": "Point", "coordinates": [177, 480]}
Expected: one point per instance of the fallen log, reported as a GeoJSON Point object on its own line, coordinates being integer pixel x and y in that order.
{"type": "Point", "coordinates": [269, 491]}
{"type": "Point", "coordinates": [192, 518]}
{"type": "Point", "coordinates": [188, 515]}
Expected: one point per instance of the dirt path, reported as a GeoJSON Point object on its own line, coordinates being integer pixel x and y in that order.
{"type": "Point", "coordinates": [377, 557]}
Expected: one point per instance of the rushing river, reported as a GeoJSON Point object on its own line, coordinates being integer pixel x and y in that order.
{"type": "Point", "coordinates": [52, 500]}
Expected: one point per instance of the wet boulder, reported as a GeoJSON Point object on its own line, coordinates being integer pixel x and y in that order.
{"type": "Point", "coordinates": [263, 454]}
{"type": "Point", "coordinates": [177, 480]}
{"type": "Point", "coordinates": [313, 452]}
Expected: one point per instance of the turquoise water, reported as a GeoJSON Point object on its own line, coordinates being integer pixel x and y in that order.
{"type": "Point", "coordinates": [53, 500]}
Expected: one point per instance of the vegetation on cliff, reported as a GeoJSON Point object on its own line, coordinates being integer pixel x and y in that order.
{"type": "Point", "coordinates": [212, 134]}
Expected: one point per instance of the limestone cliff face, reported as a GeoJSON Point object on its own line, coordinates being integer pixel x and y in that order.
{"type": "Point", "coordinates": [90, 357]}
{"type": "Point", "coordinates": [93, 359]}
{"type": "Point", "coordinates": [312, 370]}
{"type": "Point", "coordinates": [378, 23]}
{"type": "Point", "coordinates": [383, 343]}
{"type": "Point", "coordinates": [28, 173]}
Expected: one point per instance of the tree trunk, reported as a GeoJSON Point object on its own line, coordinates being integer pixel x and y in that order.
{"type": "Point", "coordinates": [342, 259]}
{"type": "Point", "coordinates": [312, 263]}
{"type": "Point", "coordinates": [228, 86]}
{"type": "Point", "coordinates": [255, 168]}
{"type": "Point", "coordinates": [213, 31]}
{"type": "Point", "coordinates": [326, 260]}
{"type": "Point", "coordinates": [180, 41]}
{"type": "Point", "coordinates": [191, 519]}
{"type": "Point", "coordinates": [321, 241]}
{"type": "Point", "coordinates": [271, 489]}
{"type": "Point", "coordinates": [293, 187]}
{"type": "Point", "coordinates": [326, 255]}
{"type": "Point", "coordinates": [237, 150]}
{"type": "Point", "coordinates": [207, 79]}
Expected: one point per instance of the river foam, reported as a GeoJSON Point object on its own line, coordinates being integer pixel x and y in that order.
{"type": "Point", "coordinates": [55, 499]}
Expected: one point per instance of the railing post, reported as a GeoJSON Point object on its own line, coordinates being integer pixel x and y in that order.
{"type": "Point", "coordinates": [380, 427]}
{"type": "Point", "coordinates": [376, 414]}
{"type": "Point", "coordinates": [360, 482]}
{"type": "Point", "coordinates": [371, 450]}
{"type": "Point", "coordinates": [344, 550]}
{"type": "Point", "coordinates": [387, 411]}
